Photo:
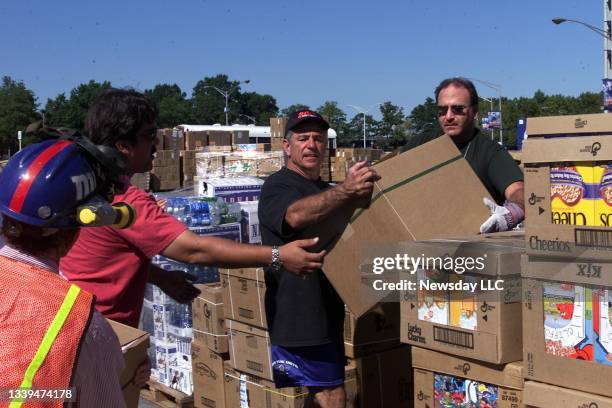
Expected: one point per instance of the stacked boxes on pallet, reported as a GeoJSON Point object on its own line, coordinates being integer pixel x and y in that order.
{"type": "Point", "coordinates": [567, 313]}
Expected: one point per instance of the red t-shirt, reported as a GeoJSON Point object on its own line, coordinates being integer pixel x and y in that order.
{"type": "Point", "coordinates": [114, 264]}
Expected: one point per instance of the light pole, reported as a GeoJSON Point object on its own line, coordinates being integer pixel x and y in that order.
{"type": "Point", "coordinates": [606, 33]}
{"type": "Point", "coordinates": [364, 112]}
{"type": "Point", "coordinates": [226, 94]}
{"type": "Point", "coordinates": [497, 88]}
{"type": "Point", "coordinates": [249, 117]}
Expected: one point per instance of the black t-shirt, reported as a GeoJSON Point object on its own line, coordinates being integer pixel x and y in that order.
{"type": "Point", "coordinates": [493, 165]}
{"type": "Point", "coordinates": [300, 312]}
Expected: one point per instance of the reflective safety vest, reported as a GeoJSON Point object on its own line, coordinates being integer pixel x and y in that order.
{"type": "Point", "coordinates": [42, 321]}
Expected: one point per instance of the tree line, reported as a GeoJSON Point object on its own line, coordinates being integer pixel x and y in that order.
{"type": "Point", "coordinates": [19, 107]}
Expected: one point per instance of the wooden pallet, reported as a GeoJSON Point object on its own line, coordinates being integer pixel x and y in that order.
{"type": "Point", "coordinates": [166, 397]}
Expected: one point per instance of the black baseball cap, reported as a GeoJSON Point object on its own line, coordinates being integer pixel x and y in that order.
{"type": "Point", "coordinates": [302, 116]}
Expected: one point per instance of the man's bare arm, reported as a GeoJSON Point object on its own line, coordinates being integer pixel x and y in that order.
{"type": "Point", "coordinates": [313, 209]}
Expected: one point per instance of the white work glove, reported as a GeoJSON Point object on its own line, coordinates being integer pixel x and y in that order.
{"type": "Point", "coordinates": [503, 218]}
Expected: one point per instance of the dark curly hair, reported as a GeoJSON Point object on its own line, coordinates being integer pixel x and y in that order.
{"type": "Point", "coordinates": [118, 114]}
{"type": "Point", "coordinates": [462, 83]}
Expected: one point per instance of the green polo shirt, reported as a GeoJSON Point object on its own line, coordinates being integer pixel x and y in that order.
{"type": "Point", "coordinates": [493, 165]}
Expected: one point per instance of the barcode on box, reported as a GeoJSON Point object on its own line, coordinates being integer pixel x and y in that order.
{"type": "Point", "coordinates": [454, 337]}
{"type": "Point", "coordinates": [593, 238]}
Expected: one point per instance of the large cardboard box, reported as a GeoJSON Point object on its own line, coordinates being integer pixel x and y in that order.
{"type": "Point", "coordinates": [196, 140]}
{"type": "Point", "coordinates": [244, 292]}
{"type": "Point", "coordinates": [568, 186]}
{"type": "Point", "coordinates": [482, 320]}
{"type": "Point", "coordinates": [568, 335]}
{"type": "Point", "coordinates": [277, 127]}
{"type": "Point", "coordinates": [545, 395]}
{"type": "Point", "coordinates": [134, 344]}
{"type": "Point", "coordinates": [446, 380]}
{"type": "Point", "coordinates": [373, 332]}
{"type": "Point", "coordinates": [208, 378]}
{"type": "Point", "coordinates": [208, 318]}
{"type": "Point", "coordinates": [384, 380]}
{"type": "Point", "coordinates": [250, 349]}
{"type": "Point", "coordinates": [246, 390]}
{"type": "Point", "coordinates": [420, 195]}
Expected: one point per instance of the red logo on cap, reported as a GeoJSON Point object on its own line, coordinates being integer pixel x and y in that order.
{"type": "Point", "coordinates": [305, 113]}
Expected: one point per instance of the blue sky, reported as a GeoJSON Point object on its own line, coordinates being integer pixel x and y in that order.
{"type": "Point", "coordinates": [359, 53]}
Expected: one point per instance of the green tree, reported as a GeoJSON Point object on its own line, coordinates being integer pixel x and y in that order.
{"type": "Point", "coordinates": [293, 108]}
{"type": "Point", "coordinates": [17, 110]}
{"type": "Point", "coordinates": [424, 119]}
{"type": "Point", "coordinates": [356, 129]}
{"type": "Point", "coordinates": [337, 120]}
{"type": "Point", "coordinates": [174, 107]}
{"type": "Point", "coordinates": [391, 128]}
{"type": "Point", "coordinates": [208, 104]}
{"type": "Point", "coordinates": [70, 112]}
{"type": "Point", "coordinates": [258, 106]}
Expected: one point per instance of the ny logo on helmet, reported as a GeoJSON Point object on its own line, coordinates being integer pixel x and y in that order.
{"type": "Point", "coordinates": [85, 184]}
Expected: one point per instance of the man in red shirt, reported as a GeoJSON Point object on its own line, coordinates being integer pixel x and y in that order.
{"type": "Point", "coordinates": [115, 264]}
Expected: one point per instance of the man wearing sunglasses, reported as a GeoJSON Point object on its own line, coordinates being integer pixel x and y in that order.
{"type": "Point", "coordinates": [457, 103]}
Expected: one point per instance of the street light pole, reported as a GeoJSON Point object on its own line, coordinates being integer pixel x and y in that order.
{"type": "Point", "coordinates": [606, 33]}
{"type": "Point", "coordinates": [497, 88]}
{"type": "Point", "coordinates": [363, 111]}
{"type": "Point", "coordinates": [226, 94]}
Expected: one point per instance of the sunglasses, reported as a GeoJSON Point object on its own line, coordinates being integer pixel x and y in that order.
{"type": "Point", "coordinates": [456, 109]}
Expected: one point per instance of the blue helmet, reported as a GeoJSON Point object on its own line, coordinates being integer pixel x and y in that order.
{"type": "Point", "coordinates": [43, 184]}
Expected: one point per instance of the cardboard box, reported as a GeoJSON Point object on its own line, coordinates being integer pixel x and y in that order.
{"type": "Point", "coordinates": [244, 292]}
{"type": "Point", "coordinates": [481, 321]}
{"type": "Point", "coordinates": [375, 331]}
{"type": "Point", "coordinates": [246, 390]}
{"type": "Point", "coordinates": [134, 344]}
{"type": "Point", "coordinates": [445, 380]}
{"type": "Point", "coordinates": [250, 349]}
{"type": "Point", "coordinates": [277, 127]}
{"type": "Point", "coordinates": [586, 272]}
{"type": "Point", "coordinates": [566, 334]}
{"type": "Point", "coordinates": [196, 140]}
{"type": "Point", "coordinates": [208, 377]}
{"type": "Point", "coordinates": [545, 395]}
{"type": "Point", "coordinates": [174, 139]}
{"type": "Point", "coordinates": [209, 319]}
{"type": "Point", "coordinates": [384, 380]}
{"type": "Point", "coordinates": [574, 141]}
{"type": "Point", "coordinates": [219, 138]}
{"type": "Point", "coordinates": [419, 196]}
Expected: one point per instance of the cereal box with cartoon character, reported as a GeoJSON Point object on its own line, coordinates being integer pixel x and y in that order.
{"type": "Point", "coordinates": [572, 194]}
{"type": "Point", "coordinates": [603, 204]}
{"type": "Point", "coordinates": [567, 321]}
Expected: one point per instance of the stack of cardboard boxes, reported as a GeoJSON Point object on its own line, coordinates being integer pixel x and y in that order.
{"type": "Point", "coordinates": [277, 133]}
{"type": "Point", "coordinates": [165, 174]}
{"type": "Point", "coordinates": [567, 295]}
{"type": "Point", "coordinates": [188, 167]}
{"type": "Point", "coordinates": [472, 330]}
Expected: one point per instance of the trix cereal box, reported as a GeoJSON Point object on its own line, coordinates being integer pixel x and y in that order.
{"type": "Point", "coordinates": [567, 321]}
{"type": "Point", "coordinates": [573, 194]}
{"type": "Point", "coordinates": [603, 204]}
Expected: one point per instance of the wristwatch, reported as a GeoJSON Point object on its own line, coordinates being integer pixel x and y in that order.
{"type": "Point", "coordinates": [276, 261]}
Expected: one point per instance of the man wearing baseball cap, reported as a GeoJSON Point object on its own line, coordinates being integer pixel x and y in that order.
{"type": "Point", "coordinates": [305, 314]}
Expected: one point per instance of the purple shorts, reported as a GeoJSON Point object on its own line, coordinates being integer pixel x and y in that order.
{"type": "Point", "coordinates": [310, 366]}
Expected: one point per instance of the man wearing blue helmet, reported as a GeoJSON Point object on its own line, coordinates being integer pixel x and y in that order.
{"type": "Point", "coordinates": [52, 337]}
